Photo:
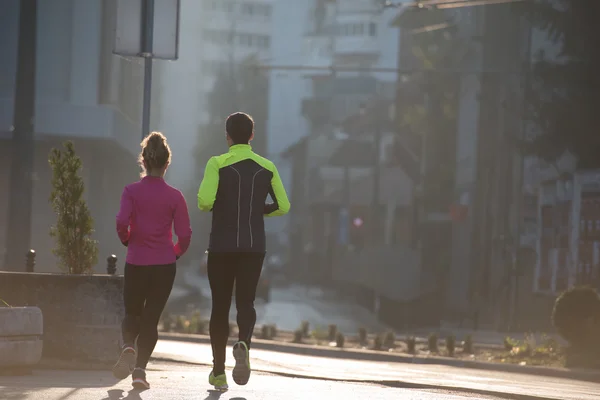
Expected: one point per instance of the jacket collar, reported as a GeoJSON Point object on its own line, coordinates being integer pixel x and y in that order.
{"type": "Point", "coordinates": [240, 147]}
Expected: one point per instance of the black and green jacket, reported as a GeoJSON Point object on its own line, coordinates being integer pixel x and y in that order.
{"type": "Point", "coordinates": [235, 189]}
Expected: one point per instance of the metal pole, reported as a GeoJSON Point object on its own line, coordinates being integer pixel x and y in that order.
{"type": "Point", "coordinates": [376, 178]}
{"type": "Point", "coordinates": [148, 37]}
{"type": "Point", "coordinates": [18, 236]}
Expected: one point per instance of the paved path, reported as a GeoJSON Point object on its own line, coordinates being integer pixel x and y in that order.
{"type": "Point", "coordinates": [173, 382]}
{"type": "Point", "coordinates": [450, 377]}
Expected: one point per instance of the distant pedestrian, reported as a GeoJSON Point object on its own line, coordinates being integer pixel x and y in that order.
{"type": "Point", "coordinates": [150, 209]}
{"type": "Point", "coordinates": [235, 188]}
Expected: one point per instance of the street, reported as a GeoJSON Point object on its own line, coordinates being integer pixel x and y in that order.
{"type": "Point", "coordinates": [421, 374]}
{"type": "Point", "coordinates": [176, 382]}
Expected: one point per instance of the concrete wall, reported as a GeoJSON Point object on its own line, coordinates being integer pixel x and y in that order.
{"type": "Point", "coordinates": [82, 314]}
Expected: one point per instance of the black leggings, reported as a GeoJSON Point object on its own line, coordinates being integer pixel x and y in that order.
{"type": "Point", "coordinates": [145, 293]}
{"type": "Point", "coordinates": [223, 270]}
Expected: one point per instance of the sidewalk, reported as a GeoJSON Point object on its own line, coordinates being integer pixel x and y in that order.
{"type": "Point", "coordinates": [185, 382]}
{"type": "Point", "coordinates": [512, 385]}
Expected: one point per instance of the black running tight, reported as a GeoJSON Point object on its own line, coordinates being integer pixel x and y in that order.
{"type": "Point", "coordinates": [146, 291]}
{"type": "Point", "coordinates": [223, 270]}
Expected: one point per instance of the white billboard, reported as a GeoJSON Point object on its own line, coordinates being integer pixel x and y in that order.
{"type": "Point", "coordinates": [129, 33]}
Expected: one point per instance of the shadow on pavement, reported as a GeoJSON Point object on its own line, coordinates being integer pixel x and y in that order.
{"type": "Point", "coordinates": [119, 394]}
{"type": "Point", "coordinates": [216, 395]}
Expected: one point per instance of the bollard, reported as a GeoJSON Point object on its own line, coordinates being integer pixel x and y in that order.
{"type": "Point", "coordinates": [30, 261]}
{"type": "Point", "coordinates": [111, 264]}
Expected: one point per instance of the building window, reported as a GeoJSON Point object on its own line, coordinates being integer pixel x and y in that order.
{"type": "Point", "coordinates": [245, 40]}
{"type": "Point", "coordinates": [256, 9]}
{"type": "Point", "coordinates": [263, 41]}
{"type": "Point", "coordinates": [218, 37]}
{"type": "Point", "coordinates": [372, 29]}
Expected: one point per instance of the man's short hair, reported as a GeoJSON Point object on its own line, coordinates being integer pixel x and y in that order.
{"type": "Point", "coordinates": [240, 127]}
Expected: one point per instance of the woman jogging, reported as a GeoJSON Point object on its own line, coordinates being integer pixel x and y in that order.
{"type": "Point", "coordinates": [150, 209]}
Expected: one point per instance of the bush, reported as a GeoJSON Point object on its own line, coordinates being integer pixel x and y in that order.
{"type": "Point", "coordinates": [377, 342]}
{"type": "Point", "coordinates": [432, 343]}
{"type": "Point", "coordinates": [340, 340]}
{"type": "Point", "coordinates": [451, 345]}
{"type": "Point", "coordinates": [75, 249]}
{"type": "Point", "coordinates": [411, 345]}
{"type": "Point", "coordinates": [305, 329]}
{"type": "Point", "coordinates": [390, 340]}
{"type": "Point", "coordinates": [576, 315]}
{"type": "Point", "coordinates": [362, 336]}
{"type": "Point", "coordinates": [298, 335]}
{"type": "Point", "coordinates": [333, 331]}
{"type": "Point", "coordinates": [510, 343]}
{"type": "Point", "coordinates": [467, 345]}
{"type": "Point", "coordinates": [319, 334]}
{"type": "Point", "coordinates": [274, 333]}
{"type": "Point", "coordinates": [180, 324]}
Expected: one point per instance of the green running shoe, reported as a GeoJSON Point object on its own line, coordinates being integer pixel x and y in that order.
{"type": "Point", "coordinates": [219, 382]}
{"type": "Point", "coordinates": [242, 370]}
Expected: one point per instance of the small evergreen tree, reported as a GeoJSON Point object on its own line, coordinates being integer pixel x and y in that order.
{"type": "Point", "coordinates": [76, 250]}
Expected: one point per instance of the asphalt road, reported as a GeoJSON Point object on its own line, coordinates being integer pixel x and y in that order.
{"type": "Point", "coordinates": [398, 373]}
{"type": "Point", "coordinates": [176, 382]}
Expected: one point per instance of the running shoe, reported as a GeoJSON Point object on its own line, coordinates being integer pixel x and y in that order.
{"type": "Point", "coordinates": [219, 381]}
{"type": "Point", "coordinates": [139, 379]}
{"type": "Point", "coordinates": [242, 370]}
{"type": "Point", "coordinates": [125, 364]}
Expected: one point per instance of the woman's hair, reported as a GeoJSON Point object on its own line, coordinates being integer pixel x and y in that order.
{"type": "Point", "coordinates": [156, 153]}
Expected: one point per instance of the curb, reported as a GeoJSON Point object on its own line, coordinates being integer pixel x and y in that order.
{"type": "Point", "coordinates": [366, 355]}
{"type": "Point", "coordinates": [388, 383]}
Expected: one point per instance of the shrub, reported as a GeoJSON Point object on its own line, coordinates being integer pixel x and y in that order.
{"type": "Point", "coordinates": [362, 336]}
{"type": "Point", "coordinates": [377, 342]}
{"type": "Point", "coordinates": [451, 345]}
{"type": "Point", "coordinates": [340, 340]}
{"type": "Point", "coordinates": [332, 332]}
{"type": "Point", "coordinates": [467, 345]}
{"type": "Point", "coordinates": [180, 324]}
{"type": "Point", "coordinates": [274, 333]}
{"type": "Point", "coordinates": [509, 343]}
{"type": "Point", "coordinates": [432, 343]}
{"type": "Point", "coordinates": [576, 315]}
{"type": "Point", "coordinates": [411, 345]}
{"type": "Point", "coordinates": [298, 335]}
{"type": "Point", "coordinates": [75, 249]}
{"type": "Point", "coordinates": [305, 328]}
{"type": "Point", "coordinates": [389, 340]}
{"type": "Point", "coordinates": [319, 334]}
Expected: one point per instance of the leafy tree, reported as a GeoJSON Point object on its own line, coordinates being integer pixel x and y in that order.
{"type": "Point", "coordinates": [565, 90]}
{"type": "Point", "coordinates": [76, 250]}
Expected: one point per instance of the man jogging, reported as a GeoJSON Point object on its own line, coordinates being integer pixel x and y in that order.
{"type": "Point", "coordinates": [235, 189]}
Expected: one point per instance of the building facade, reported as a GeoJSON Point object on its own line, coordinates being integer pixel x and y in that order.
{"type": "Point", "coordinates": [83, 93]}
{"type": "Point", "coordinates": [215, 36]}
{"type": "Point", "coordinates": [308, 104]}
